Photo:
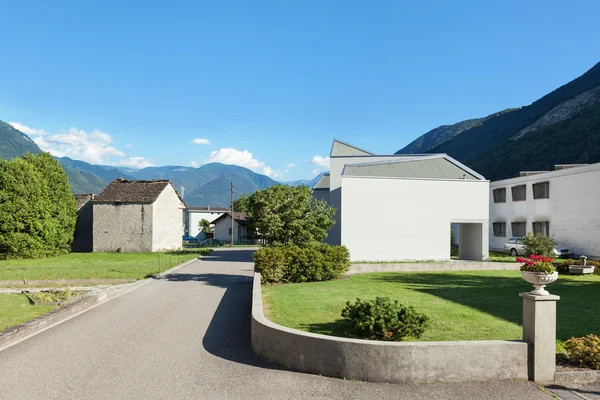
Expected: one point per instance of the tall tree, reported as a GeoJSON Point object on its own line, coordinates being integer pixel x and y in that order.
{"type": "Point", "coordinates": [289, 214]}
{"type": "Point", "coordinates": [37, 210]}
{"type": "Point", "coordinates": [204, 225]}
{"type": "Point", "coordinates": [241, 204]}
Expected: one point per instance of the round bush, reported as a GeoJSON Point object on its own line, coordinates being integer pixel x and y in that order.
{"type": "Point", "coordinates": [384, 319]}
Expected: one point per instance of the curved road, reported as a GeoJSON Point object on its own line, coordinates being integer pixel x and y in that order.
{"type": "Point", "coordinates": [187, 336]}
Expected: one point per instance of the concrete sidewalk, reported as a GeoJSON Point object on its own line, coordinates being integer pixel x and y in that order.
{"type": "Point", "coordinates": [183, 336]}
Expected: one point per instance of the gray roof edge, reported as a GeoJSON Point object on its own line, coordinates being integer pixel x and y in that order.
{"type": "Point", "coordinates": [417, 158]}
{"type": "Point", "coordinates": [413, 178]}
{"type": "Point", "coordinates": [349, 145]}
{"type": "Point", "coordinates": [319, 181]}
{"type": "Point", "coordinates": [399, 160]}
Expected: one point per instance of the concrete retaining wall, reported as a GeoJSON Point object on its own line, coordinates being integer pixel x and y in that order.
{"type": "Point", "coordinates": [362, 268]}
{"type": "Point", "coordinates": [366, 360]}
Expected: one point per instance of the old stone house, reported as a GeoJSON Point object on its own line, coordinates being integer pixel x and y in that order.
{"type": "Point", "coordinates": [138, 216]}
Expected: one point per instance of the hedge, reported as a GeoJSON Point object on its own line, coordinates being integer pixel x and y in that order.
{"type": "Point", "coordinates": [310, 263]}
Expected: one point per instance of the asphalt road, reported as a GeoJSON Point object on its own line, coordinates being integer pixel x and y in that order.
{"type": "Point", "coordinates": [187, 336]}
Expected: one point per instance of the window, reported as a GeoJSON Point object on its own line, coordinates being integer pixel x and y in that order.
{"type": "Point", "coordinates": [500, 229]}
{"type": "Point", "coordinates": [518, 229]}
{"type": "Point", "coordinates": [500, 195]}
{"type": "Point", "coordinates": [541, 227]}
{"type": "Point", "coordinates": [230, 231]}
{"type": "Point", "coordinates": [541, 190]}
{"type": "Point", "coordinates": [519, 193]}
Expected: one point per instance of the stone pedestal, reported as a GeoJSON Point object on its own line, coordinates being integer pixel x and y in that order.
{"type": "Point", "coordinates": [539, 328]}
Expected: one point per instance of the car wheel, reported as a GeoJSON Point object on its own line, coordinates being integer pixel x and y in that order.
{"type": "Point", "coordinates": [513, 252]}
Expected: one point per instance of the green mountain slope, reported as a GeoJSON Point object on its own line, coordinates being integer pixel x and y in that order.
{"type": "Point", "coordinates": [14, 143]}
{"type": "Point", "coordinates": [564, 123]}
{"type": "Point", "coordinates": [105, 173]}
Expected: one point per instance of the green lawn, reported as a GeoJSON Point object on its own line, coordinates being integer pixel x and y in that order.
{"type": "Point", "coordinates": [498, 256]}
{"type": "Point", "coordinates": [95, 265]}
{"type": "Point", "coordinates": [478, 305]}
{"type": "Point", "coordinates": [16, 309]}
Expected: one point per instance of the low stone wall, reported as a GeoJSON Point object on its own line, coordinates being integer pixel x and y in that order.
{"type": "Point", "coordinates": [362, 268]}
{"type": "Point", "coordinates": [393, 362]}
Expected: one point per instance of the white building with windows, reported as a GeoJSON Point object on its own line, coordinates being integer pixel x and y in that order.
{"type": "Point", "coordinates": [193, 215]}
{"type": "Point", "coordinates": [564, 203]}
{"type": "Point", "coordinates": [417, 198]}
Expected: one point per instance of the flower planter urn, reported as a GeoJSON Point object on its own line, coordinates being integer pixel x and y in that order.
{"type": "Point", "coordinates": [539, 280]}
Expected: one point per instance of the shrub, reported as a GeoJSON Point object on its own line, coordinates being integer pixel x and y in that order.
{"type": "Point", "coordinates": [585, 351]}
{"type": "Point", "coordinates": [384, 319]}
{"type": "Point", "coordinates": [310, 263]}
{"type": "Point", "coordinates": [539, 245]}
{"type": "Point", "coordinates": [563, 268]}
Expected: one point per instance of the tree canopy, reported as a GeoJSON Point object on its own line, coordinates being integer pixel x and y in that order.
{"type": "Point", "coordinates": [204, 225]}
{"type": "Point", "coordinates": [289, 214]}
{"type": "Point", "coordinates": [38, 213]}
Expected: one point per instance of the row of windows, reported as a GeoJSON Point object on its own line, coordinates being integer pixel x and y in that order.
{"type": "Point", "coordinates": [518, 229]}
{"type": "Point", "coordinates": [519, 193]}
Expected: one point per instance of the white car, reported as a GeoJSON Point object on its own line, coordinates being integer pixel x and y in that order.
{"type": "Point", "coordinates": [515, 247]}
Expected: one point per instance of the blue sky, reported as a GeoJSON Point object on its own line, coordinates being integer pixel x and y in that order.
{"type": "Point", "coordinates": [268, 83]}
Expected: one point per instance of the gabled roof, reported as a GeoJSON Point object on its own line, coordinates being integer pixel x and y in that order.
{"type": "Point", "coordinates": [208, 209]}
{"type": "Point", "coordinates": [82, 199]}
{"type": "Point", "coordinates": [322, 183]}
{"type": "Point", "coordinates": [341, 149]}
{"type": "Point", "coordinates": [436, 166]}
{"type": "Point", "coordinates": [239, 217]}
{"type": "Point", "coordinates": [125, 191]}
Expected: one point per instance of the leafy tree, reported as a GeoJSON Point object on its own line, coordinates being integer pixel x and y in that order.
{"type": "Point", "coordinates": [289, 214]}
{"type": "Point", "coordinates": [241, 204]}
{"type": "Point", "coordinates": [204, 225]}
{"type": "Point", "coordinates": [37, 210]}
{"type": "Point", "coordinates": [539, 245]}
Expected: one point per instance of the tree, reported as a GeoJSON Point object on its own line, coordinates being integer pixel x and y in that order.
{"type": "Point", "coordinates": [241, 204]}
{"type": "Point", "coordinates": [289, 214]}
{"type": "Point", "coordinates": [37, 210]}
{"type": "Point", "coordinates": [204, 225]}
{"type": "Point", "coordinates": [539, 245]}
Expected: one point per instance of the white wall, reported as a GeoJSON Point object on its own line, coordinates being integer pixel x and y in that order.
{"type": "Point", "coordinates": [413, 216]}
{"type": "Point", "coordinates": [222, 230]}
{"type": "Point", "coordinates": [573, 208]}
{"type": "Point", "coordinates": [167, 222]}
{"type": "Point", "coordinates": [336, 166]}
{"type": "Point", "coordinates": [195, 216]}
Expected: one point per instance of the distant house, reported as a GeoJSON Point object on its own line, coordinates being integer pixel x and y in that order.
{"type": "Point", "coordinates": [82, 241]}
{"type": "Point", "coordinates": [563, 203]}
{"type": "Point", "coordinates": [138, 216]}
{"type": "Point", "coordinates": [193, 215]}
{"type": "Point", "coordinates": [401, 207]}
{"type": "Point", "coordinates": [223, 227]}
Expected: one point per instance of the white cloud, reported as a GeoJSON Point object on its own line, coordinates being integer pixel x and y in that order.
{"type": "Point", "coordinates": [128, 145]}
{"type": "Point", "coordinates": [321, 162]}
{"type": "Point", "coordinates": [200, 141]}
{"type": "Point", "coordinates": [194, 164]}
{"type": "Point", "coordinates": [27, 130]}
{"type": "Point", "coordinates": [94, 147]}
{"type": "Point", "coordinates": [242, 158]}
{"type": "Point", "coordinates": [136, 162]}
{"type": "Point", "coordinates": [290, 165]}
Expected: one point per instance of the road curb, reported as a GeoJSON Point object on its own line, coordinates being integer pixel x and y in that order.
{"type": "Point", "coordinates": [25, 330]}
{"type": "Point", "coordinates": [579, 377]}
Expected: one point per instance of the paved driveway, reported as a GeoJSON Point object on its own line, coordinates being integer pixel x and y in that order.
{"type": "Point", "coordinates": [186, 336]}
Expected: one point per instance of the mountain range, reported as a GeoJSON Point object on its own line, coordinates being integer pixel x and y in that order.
{"type": "Point", "coordinates": [209, 184]}
{"type": "Point", "coordinates": [562, 127]}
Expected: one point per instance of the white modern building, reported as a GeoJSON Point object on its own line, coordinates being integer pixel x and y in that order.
{"type": "Point", "coordinates": [401, 207]}
{"type": "Point", "coordinates": [564, 203]}
{"type": "Point", "coordinates": [193, 215]}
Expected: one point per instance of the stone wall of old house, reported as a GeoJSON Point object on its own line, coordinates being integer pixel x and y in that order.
{"type": "Point", "coordinates": [167, 221]}
{"type": "Point", "coordinates": [123, 227]}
